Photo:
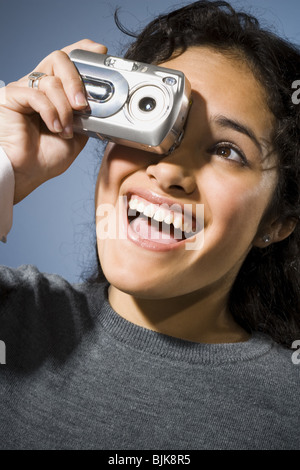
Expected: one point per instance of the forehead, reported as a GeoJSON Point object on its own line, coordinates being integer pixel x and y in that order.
{"type": "Point", "coordinates": [227, 85]}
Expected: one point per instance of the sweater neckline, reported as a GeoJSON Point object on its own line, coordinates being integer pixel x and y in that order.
{"type": "Point", "coordinates": [151, 342]}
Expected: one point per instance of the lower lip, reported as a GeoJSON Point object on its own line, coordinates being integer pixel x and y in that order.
{"type": "Point", "coordinates": [149, 244]}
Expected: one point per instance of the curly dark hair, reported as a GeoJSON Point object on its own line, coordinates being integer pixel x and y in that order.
{"type": "Point", "coordinates": [266, 294]}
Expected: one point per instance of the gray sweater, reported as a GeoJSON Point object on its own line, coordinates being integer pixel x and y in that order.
{"type": "Point", "coordinates": [79, 376]}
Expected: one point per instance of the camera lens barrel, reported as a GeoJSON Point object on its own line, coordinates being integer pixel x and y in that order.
{"type": "Point", "coordinates": [147, 104]}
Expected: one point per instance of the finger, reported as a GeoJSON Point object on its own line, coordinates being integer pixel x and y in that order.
{"type": "Point", "coordinates": [59, 64]}
{"type": "Point", "coordinates": [52, 87]}
{"type": "Point", "coordinates": [28, 101]}
{"type": "Point", "coordinates": [64, 68]}
{"type": "Point", "coordinates": [87, 45]}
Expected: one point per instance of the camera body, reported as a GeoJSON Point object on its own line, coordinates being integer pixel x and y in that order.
{"type": "Point", "coordinates": [132, 103]}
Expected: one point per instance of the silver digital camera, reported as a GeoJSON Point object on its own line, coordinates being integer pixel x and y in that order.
{"type": "Point", "coordinates": [132, 103]}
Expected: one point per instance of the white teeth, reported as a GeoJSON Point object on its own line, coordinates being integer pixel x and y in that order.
{"type": "Point", "coordinates": [140, 207]}
{"type": "Point", "coordinates": [160, 215]}
{"type": "Point", "coordinates": [177, 222]}
{"type": "Point", "coordinates": [169, 218]}
{"type": "Point", "coordinates": [150, 210]}
{"type": "Point", "coordinates": [133, 203]}
{"type": "Point", "coordinates": [187, 227]}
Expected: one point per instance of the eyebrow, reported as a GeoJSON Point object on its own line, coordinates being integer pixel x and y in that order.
{"type": "Point", "coordinates": [227, 123]}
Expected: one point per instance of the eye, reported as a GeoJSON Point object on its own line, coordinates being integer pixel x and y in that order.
{"type": "Point", "coordinates": [229, 151]}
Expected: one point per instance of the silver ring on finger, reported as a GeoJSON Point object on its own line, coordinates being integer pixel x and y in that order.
{"type": "Point", "coordinates": [34, 79]}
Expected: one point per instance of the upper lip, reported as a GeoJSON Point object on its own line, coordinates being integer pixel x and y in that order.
{"type": "Point", "coordinates": [155, 198]}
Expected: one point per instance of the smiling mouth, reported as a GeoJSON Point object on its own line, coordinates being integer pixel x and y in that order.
{"type": "Point", "coordinates": [158, 223]}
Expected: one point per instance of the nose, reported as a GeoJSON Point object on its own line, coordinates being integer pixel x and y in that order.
{"type": "Point", "coordinates": [172, 173]}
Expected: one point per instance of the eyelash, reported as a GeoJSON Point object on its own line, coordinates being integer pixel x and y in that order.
{"type": "Point", "coordinates": [229, 145]}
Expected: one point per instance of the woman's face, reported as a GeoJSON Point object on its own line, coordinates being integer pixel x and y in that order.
{"type": "Point", "coordinates": [223, 163]}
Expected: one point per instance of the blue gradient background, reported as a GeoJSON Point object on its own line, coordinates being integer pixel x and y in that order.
{"type": "Point", "coordinates": [54, 227]}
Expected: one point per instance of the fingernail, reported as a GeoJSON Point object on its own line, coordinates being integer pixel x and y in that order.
{"type": "Point", "coordinates": [67, 132]}
{"type": "Point", "coordinates": [80, 99]}
{"type": "Point", "coordinates": [57, 126]}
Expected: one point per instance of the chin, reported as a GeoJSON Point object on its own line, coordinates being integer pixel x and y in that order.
{"type": "Point", "coordinates": [132, 283]}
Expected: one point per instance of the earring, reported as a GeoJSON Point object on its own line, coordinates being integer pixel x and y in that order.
{"type": "Point", "coordinates": [266, 238]}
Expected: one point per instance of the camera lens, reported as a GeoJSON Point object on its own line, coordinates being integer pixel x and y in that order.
{"type": "Point", "coordinates": [147, 104]}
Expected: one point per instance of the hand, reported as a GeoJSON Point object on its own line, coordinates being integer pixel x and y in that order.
{"type": "Point", "coordinates": [36, 124]}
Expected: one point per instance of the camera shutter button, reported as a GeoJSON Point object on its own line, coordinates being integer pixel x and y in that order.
{"type": "Point", "coordinates": [171, 81]}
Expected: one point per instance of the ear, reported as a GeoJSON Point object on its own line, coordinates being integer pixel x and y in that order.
{"type": "Point", "coordinates": [274, 232]}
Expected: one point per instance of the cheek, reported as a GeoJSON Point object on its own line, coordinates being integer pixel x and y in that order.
{"type": "Point", "coordinates": [118, 163]}
{"type": "Point", "coordinates": [236, 208]}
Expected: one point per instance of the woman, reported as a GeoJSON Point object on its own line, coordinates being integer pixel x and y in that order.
{"type": "Point", "coordinates": [177, 348]}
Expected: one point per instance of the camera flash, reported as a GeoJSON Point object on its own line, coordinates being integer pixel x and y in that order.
{"type": "Point", "coordinates": [120, 64]}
